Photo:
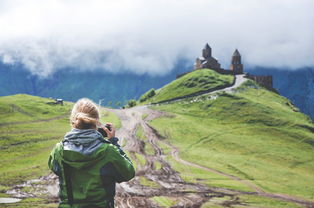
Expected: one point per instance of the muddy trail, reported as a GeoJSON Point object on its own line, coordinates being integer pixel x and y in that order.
{"type": "Point", "coordinates": [155, 178]}
{"type": "Point", "coordinates": [169, 183]}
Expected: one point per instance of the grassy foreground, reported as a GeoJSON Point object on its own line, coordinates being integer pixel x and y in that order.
{"type": "Point", "coordinates": [29, 129]}
{"type": "Point", "coordinates": [254, 134]}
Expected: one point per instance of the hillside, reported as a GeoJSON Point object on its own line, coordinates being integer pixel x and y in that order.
{"type": "Point", "coordinates": [297, 85]}
{"type": "Point", "coordinates": [195, 82]}
{"type": "Point", "coordinates": [246, 148]}
{"type": "Point", "coordinates": [253, 134]}
{"type": "Point", "coordinates": [29, 128]}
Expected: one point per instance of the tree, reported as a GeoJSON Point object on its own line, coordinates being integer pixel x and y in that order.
{"type": "Point", "coordinates": [148, 95]}
{"type": "Point", "coordinates": [131, 103]}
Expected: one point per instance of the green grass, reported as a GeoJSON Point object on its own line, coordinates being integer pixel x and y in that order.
{"type": "Point", "coordinates": [249, 201]}
{"type": "Point", "coordinates": [145, 182]}
{"type": "Point", "coordinates": [258, 201]}
{"type": "Point", "coordinates": [164, 201]}
{"type": "Point", "coordinates": [253, 134]}
{"type": "Point", "coordinates": [24, 108]}
{"type": "Point", "coordinates": [109, 117]}
{"type": "Point", "coordinates": [195, 175]}
{"type": "Point", "coordinates": [196, 81]}
{"type": "Point", "coordinates": [27, 136]}
{"type": "Point", "coordinates": [29, 129]}
{"type": "Point", "coordinates": [144, 116]}
{"type": "Point", "coordinates": [158, 165]}
{"type": "Point", "coordinates": [140, 158]}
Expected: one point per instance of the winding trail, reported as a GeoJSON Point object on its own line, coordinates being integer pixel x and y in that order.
{"type": "Point", "coordinates": [167, 181]}
{"type": "Point", "coordinates": [134, 194]}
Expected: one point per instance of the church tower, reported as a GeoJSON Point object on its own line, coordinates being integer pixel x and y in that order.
{"type": "Point", "coordinates": [236, 65]}
{"type": "Point", "coordinates": [207, 51]}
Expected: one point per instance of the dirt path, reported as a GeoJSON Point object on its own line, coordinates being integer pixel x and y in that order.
{"type": "Point", "coordinates": [166, 181]}
{"type": "Point", "coordinates": [239, 80]}
{"type": "Point", "coordinates": [169, 180]}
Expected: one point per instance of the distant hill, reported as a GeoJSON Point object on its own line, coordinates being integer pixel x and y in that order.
{"type": "Point", "coordinates": [252, 133]}
{"type": "Point", "coordinates": [194, 82]}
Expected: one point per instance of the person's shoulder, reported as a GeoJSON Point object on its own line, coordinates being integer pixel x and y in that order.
{"type": "Point", "coordinates": [58, 147]}
{"type": "Point", "coordinates": [57, 150]}
{"type": "Point", "coordinates": [104, 147]}
{"type": "Point", "coordinates": [108, 149]}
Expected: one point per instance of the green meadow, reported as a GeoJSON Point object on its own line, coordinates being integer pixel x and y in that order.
{"type": "Point", "coordinates": [253, 134]}
{"type": "Point", "coordinates": [29, 129]}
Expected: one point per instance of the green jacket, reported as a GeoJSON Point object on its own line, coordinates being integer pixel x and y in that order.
{"type": "Point", "coordinates": [88, 167]}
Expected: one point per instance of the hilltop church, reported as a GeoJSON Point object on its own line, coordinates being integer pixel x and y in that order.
{"type": "Point", "coordinates": [207, 61]}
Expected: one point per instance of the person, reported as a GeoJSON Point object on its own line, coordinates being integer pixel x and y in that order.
{"type": "Point", "coordinates": [88, 166]}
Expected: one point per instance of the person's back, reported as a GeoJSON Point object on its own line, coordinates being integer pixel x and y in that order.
{"type": "Point", "coordinates": [88, 166]}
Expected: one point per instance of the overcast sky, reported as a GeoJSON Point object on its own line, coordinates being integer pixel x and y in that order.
{"type": "Point", "coordinates": [150, 35]}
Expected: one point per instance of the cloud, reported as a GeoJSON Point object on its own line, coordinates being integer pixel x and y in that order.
{"type": "Point", "coordinates": [149, 36]}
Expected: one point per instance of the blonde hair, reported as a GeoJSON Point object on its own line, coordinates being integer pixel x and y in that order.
{"type": "Point", "coordinates": [84, 115]}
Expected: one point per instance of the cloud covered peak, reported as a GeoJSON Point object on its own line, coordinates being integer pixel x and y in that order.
{"type": "Point", "coordinates": [149, 36]}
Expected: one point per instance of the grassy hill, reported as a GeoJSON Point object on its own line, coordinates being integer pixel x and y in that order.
{"type": "Point", "coordinates": [196, 81]}
{"type": "Point", "coordinates": [29, 128]}
{"type": "Point", "coordinates": [253, 134]}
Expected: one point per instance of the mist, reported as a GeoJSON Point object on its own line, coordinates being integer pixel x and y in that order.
{"type": "Point", "coordinates": [141, 36]}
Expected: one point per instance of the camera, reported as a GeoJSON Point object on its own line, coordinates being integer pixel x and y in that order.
{"type": "Point", "coordinates": [103, 132]}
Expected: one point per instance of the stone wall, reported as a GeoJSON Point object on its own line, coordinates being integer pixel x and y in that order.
{"type": "Point", "coordinates": [265, 81]}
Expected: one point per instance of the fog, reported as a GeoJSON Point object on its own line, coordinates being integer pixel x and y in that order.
{"type": "Point", "coordinates": [151, 36]}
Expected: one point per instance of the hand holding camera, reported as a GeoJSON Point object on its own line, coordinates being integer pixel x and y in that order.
{"type": "Point", "coordinates": [107, 130]}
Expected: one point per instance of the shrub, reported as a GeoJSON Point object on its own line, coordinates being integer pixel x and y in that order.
{"type": "Point", "coordinates": [148, 95]}
{"type": "Point", "coordinates": [131, 103]}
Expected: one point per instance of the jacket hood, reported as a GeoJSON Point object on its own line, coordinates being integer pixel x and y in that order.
{"type": "Point", "coordinates": [82, 136]}
{"type": "Point", "coordinates": [82, 148]}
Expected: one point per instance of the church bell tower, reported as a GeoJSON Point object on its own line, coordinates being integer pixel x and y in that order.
{"type": "Point", "coordinates": [236, 65]}
{"type": "Point", "coordinates": [207, 51]}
